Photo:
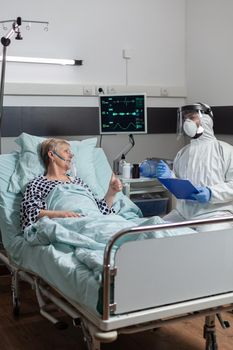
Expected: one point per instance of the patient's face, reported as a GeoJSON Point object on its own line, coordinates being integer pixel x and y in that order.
{"type": "Point", "coordinates": [64, 151]}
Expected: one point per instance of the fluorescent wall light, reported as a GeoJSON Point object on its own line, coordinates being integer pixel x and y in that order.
{"type": "Point", "coordinates": [63, 62]}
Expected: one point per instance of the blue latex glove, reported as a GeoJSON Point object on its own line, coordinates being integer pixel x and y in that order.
{"type": "Point", "coordinates": [203, 196]}
{"type": "Point", "coordinates": [163, 170]}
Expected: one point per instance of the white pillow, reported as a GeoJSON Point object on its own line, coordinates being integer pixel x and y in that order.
{"type": "Point", "coordinates": [30, 164]}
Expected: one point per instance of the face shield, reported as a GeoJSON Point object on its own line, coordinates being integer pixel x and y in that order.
{"type": "Point", "coordinates": [189, 119]}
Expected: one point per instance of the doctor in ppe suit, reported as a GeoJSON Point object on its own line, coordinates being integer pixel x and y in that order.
{"type": "Point", "coordinates": [207, 163]}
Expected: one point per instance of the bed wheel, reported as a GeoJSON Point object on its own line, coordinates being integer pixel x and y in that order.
{"type": "Point", "coordinates": [90, 342]}
{"type": "Point", "coordinates": [211, 343]}
{"type": "Point", "coordinates": [224, 324]}
{"type": "Point", "coordinates": [77, 322]}
{"type": "Point", "coordinates": [61, 325]}
{"type": "Point", "coordinates": [90, 346]}
{"type": "Point", "coordinates": [15, 292]}
{"type": "Point", "coordinates": [86, 336]}
{"type": "Point", "coordinates": [210, 333]}
{"type": "Point", "coordinates": [16, 307]}
{"type": "Point", "coordinates": [227, 324]}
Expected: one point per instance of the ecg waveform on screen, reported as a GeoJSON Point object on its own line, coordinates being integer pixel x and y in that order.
{"type": "Point", "coordinates": [130, 126]}
{"type": "Point", "coordinates": [124, 101]}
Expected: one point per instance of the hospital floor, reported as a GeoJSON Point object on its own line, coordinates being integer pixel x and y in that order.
{"type": "Point", "coordinates": [32, 332]}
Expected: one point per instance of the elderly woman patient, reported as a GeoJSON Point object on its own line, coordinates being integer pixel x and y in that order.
{"type": "Point", "coordinates": [57, 157]}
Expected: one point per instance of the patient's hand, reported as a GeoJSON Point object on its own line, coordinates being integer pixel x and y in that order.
{"type": "Point", "coordinates": [59, 214]}
{"type": "Point", "coordinates": [67, 214]}
{"type": "Point", "coordinates": [115, 184]}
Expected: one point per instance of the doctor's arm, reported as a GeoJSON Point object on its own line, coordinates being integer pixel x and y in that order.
{"type": "Point", "coordinates": [222, 192]}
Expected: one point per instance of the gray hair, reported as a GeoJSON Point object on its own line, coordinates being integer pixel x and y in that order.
{"type": "Point", "coordinates": [50, 145]}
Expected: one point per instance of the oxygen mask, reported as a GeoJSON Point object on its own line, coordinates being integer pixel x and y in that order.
{"type": "Point", "coordinates": [69, 160]}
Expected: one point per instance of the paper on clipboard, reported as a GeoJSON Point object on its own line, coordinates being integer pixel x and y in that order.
{"type": "Point", "coordinates": [182, 189]}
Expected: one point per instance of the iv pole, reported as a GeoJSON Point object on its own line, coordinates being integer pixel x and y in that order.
{"type": "Point", "coordinates": [5, 40]}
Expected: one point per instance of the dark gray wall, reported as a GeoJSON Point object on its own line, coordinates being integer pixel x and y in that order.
{"type": "Point", "coordinates": [85, 120]}
{"type": "Point", "coordinates": [73, 121]}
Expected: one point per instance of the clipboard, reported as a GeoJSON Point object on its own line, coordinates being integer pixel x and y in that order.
{"type": "Point", "coordinates": [182, 189]}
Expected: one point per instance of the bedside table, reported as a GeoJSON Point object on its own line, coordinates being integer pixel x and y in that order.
{"type": "Point", "coordinates": [148, 194]}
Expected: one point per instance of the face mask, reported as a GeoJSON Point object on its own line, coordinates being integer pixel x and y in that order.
{"type": "Point", "coordinates": [191, 128]}
{"type": "Point", "coordinates": [73, 170]}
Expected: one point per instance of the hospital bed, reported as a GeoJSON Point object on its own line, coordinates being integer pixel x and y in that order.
{"type": "Point", "coordinates": [174, 274]}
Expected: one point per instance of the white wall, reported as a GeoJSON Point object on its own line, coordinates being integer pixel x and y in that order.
{"type": "Point", "coordinates": [209, 61]}
{"type": "Point", "coordinates": [97, 31]}
{"type": "Point", "coordinates": [210, 51]}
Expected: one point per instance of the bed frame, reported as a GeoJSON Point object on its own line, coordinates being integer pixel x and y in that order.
{"type": "Point", "coordinates": [153, 282]}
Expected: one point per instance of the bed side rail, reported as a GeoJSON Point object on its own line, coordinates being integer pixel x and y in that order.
{"type": "Point", "coordinates": [137, 230]}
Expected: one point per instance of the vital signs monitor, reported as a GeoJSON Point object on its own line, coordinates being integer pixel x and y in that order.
{"type": "Point", "coordinates": [123, 114]}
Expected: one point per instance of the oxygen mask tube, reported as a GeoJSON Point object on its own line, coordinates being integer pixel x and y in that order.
{"type": "Point", "coordinates": [73, 169]}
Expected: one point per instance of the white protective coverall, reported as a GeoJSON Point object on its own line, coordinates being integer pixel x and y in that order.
{"type": "Point", "coordinates": [206, 161]}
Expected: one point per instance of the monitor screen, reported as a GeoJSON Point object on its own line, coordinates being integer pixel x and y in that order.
{"type": "Point", "coordinates": [123, 114]}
